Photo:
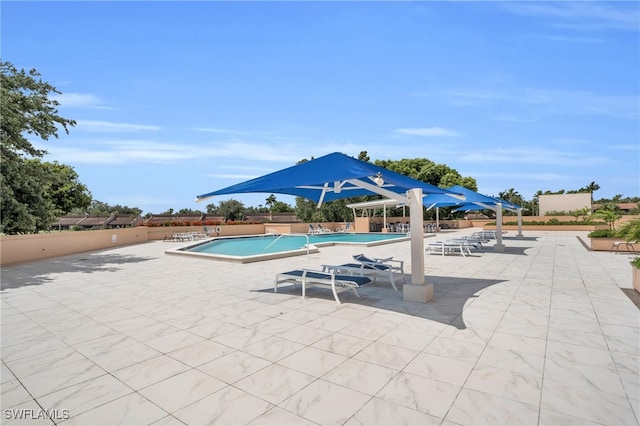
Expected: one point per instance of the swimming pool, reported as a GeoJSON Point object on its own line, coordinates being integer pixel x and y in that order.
{"type": "Point", "coordinates": [264, 247]}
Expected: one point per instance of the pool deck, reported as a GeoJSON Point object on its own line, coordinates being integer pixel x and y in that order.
{"type": "Point", "coordinates": [541, 334]}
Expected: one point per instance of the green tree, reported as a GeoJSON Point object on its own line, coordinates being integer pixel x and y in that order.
{"type": "Point", "coordinates": [29, 194]}
{"type": "Point", "coordinates": [609, 213]}
{"type": "Point", "coordinates": [270, 201]}
{"type": "Point", "coordinates": [231, 209]}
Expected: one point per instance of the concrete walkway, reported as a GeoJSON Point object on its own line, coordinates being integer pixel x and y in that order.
{"type": "Point", "coordinates": [542, 334]}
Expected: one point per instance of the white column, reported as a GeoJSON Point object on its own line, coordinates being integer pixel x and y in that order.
{"type": "Point", "coordinates": [418, 290]}
{"type": "Point", "coordinates": [499, 247]}
{"type": "Point", "coordinates": [519, 235]}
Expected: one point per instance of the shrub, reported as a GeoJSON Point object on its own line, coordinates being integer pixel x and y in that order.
{"type": "Point", "coordinates": [602, 233]}
{"type": "Point", "coordinates": [630, 231]}
{"type": "Point", "coordinates": [635, 262]}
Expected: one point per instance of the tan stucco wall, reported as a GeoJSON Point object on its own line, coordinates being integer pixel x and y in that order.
{"type": "Point", "coordinates": [27, 248]}
{"type": "Point", "coordinates": [564, 202]}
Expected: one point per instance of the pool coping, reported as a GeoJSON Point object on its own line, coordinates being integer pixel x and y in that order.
{"type": "Point", "coordinates": [313, 248]}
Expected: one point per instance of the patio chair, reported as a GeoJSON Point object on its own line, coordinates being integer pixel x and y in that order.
{"type": "Point", "coordinates": [381, 266]}
{"type": "Point", "coordinates": [345, 228]}
{"type": "Point", "coordinates": [310, 278]}
{"type": "Point", "coordinates": [313, 230]}
{"type": "Point", "coordinates": [323, 230]}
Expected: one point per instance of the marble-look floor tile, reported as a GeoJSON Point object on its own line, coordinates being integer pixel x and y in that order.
{"type": "Point", "coordinates": [312, 361]}
{"type": "Point", "coordinates": [5, 374]}
{"type": "Point", "coordinates": [382, 413]}
{"type": "Point", "coordinates": [579, 354]}
{"type": "Point", "coordinates": [47, 381]}
{"type": "Point", "coordinates": [111, 360]}
{"type": "Point", "coordinates": [506, 384]}
{"type": "Point", "coordinates": [551, 418]}
{"type": "Point", "coordinates": [241, 338]}
{"type": "Point", "coordinates": [274, 383]}
{"type": "Point", "coordinates": [167, 421]}
{"type": "Point", "coordinates": [13, 393]}
{"type": "Point", "coordinates": [478, 408]}
{"type": "Point", "coordinates": [407, 339]}
{"type": "Point", "coordinates": [228, 406]}
{"type": "Point", "coordinates": [394, 357]}
{"type": "Point", "coordinates": [305, 334]}
{"type": "Point", "coordinates": [273, 349]}
{"type": "Point", "coordinates": [234, 366]}
{"type": "Point", "coordinates": [586, 403]}
{"type": "Point", "coordinates": [174, 341]}
{"type": "Point", "coordinates": [200, 353]}
{"type": "Point", "coordinates": [150, 371]}
{"type": "Point", "coordinates": [513, 360]}
{"type": "Point", "coordinates": [326, 403]}
{"type": "Point", "coordinates": [181, 390]}
{"type": "Point", "coordinates": [440, 368]}
{"type": "Point", "coordinates": [452, 348]}
{"type": "Point", "coordinates": [342, 344]}
{"type": "Point", "coordinates": [420, 393]}
{"type": "Point", "coordinates": [575, 374]}
{"type": "Point", "coordinates": [86, 395]}
{"type": "Point", "coordinates": [133, 409]}
{"type": "Point", "coordinates": [361, 376]}
{"type": "Point", "coordinates": [30, 414]}
{"type": "Point", "coordinates": [520, 344]}
{"type": "Point", "coordinates": [279, 417]}
{"type": "Point", "coordinates": [581, 338]}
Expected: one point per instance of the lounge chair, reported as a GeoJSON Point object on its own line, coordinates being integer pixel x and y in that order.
{"type": "Point", "coordinates": [458, 246]}
{"type": "Point", "coordinates": [345, 228]}
{"type": "Point", "coordinates": [323, 230]}
{"type": "Point", "coordinates": [309, 278]}
{"type": "Point", "coordinates": [378, 266]}
{"type": "Point", "coordinates": [313, 230]}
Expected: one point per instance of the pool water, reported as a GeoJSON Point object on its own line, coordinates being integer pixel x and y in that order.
{"type": "Point", "coordinates": [265, 244]}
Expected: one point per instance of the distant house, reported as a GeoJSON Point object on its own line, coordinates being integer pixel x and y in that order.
{"type": "Point", "coordinates": [272, 218]}
{"type": "Point", "coordinates": [161, 220]}
{"type": "Point", "coordinates": [625, 208]}
{"type": "Point", "coordinates": [85, 222]}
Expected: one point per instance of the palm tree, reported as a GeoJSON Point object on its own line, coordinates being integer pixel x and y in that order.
{"type": "Point", "coordinates": [591, 188]}
{"type": "Point", "coordinates": [270, 202]}
{"type": "Point", "coordinates": [610, 213]}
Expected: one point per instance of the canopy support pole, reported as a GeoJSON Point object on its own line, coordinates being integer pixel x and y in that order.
{"type": "Point", "coordinates": [519, 235]}
{"type": "Point", "coordinates": [498, 247]}
{"type": "Point", "coordinates": [418, 290]}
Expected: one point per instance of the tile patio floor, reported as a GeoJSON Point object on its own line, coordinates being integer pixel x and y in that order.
{"type": "Point", "coordinates": [542, 334]}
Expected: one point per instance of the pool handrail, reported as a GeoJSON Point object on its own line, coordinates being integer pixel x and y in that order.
{"type": "Point", "coordinates": [293, 235]}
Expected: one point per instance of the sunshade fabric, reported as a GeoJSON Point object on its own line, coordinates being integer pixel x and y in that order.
{"type": "Point", "coordinates": [331, 177]}
{"type": "Point", "coordinates": [472, 201]}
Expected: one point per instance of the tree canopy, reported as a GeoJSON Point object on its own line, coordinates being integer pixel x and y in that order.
{"type": "Point", "coordinates": [34, 193]}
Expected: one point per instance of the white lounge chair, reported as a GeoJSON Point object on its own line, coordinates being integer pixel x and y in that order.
{"type": "Point", "coordinates": [310, 278]}
{"type": "Point", "coordinates": [345, 228]}
{"type": "Point", "coordinates": [460, 246]}
{"type": "Point", "coordinates": [323, 230]}
{"type": "Point", "coordinates": [387, 266]}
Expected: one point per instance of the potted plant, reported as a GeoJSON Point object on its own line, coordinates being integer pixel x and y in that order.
{"type": "Point", "coordinates": [630, 231]}
{"type": "Point", "coordinates": [635, 273]}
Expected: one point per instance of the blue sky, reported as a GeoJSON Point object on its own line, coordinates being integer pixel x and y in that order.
{"type": "Point", "coordinates": [176, 99]}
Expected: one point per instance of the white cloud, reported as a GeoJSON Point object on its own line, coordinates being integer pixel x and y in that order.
{"type": "Point", "coordinates": [95, 126]}
{"type": "Point", "coordinates": [546, 101]}
{"type": "Point", "coordinates": [582, 15]}
{"type": "Point", "coordinates": [532, 155]}
{"type": "Point", "coordinates": [80, 100]}
{"type": "Point", "coordinates": [428, 131]}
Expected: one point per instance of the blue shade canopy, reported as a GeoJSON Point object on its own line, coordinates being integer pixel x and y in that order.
{"type": "Point", "coordinates": [331, 177]}
{"type": "Point", "coordinates": [472, 201]}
